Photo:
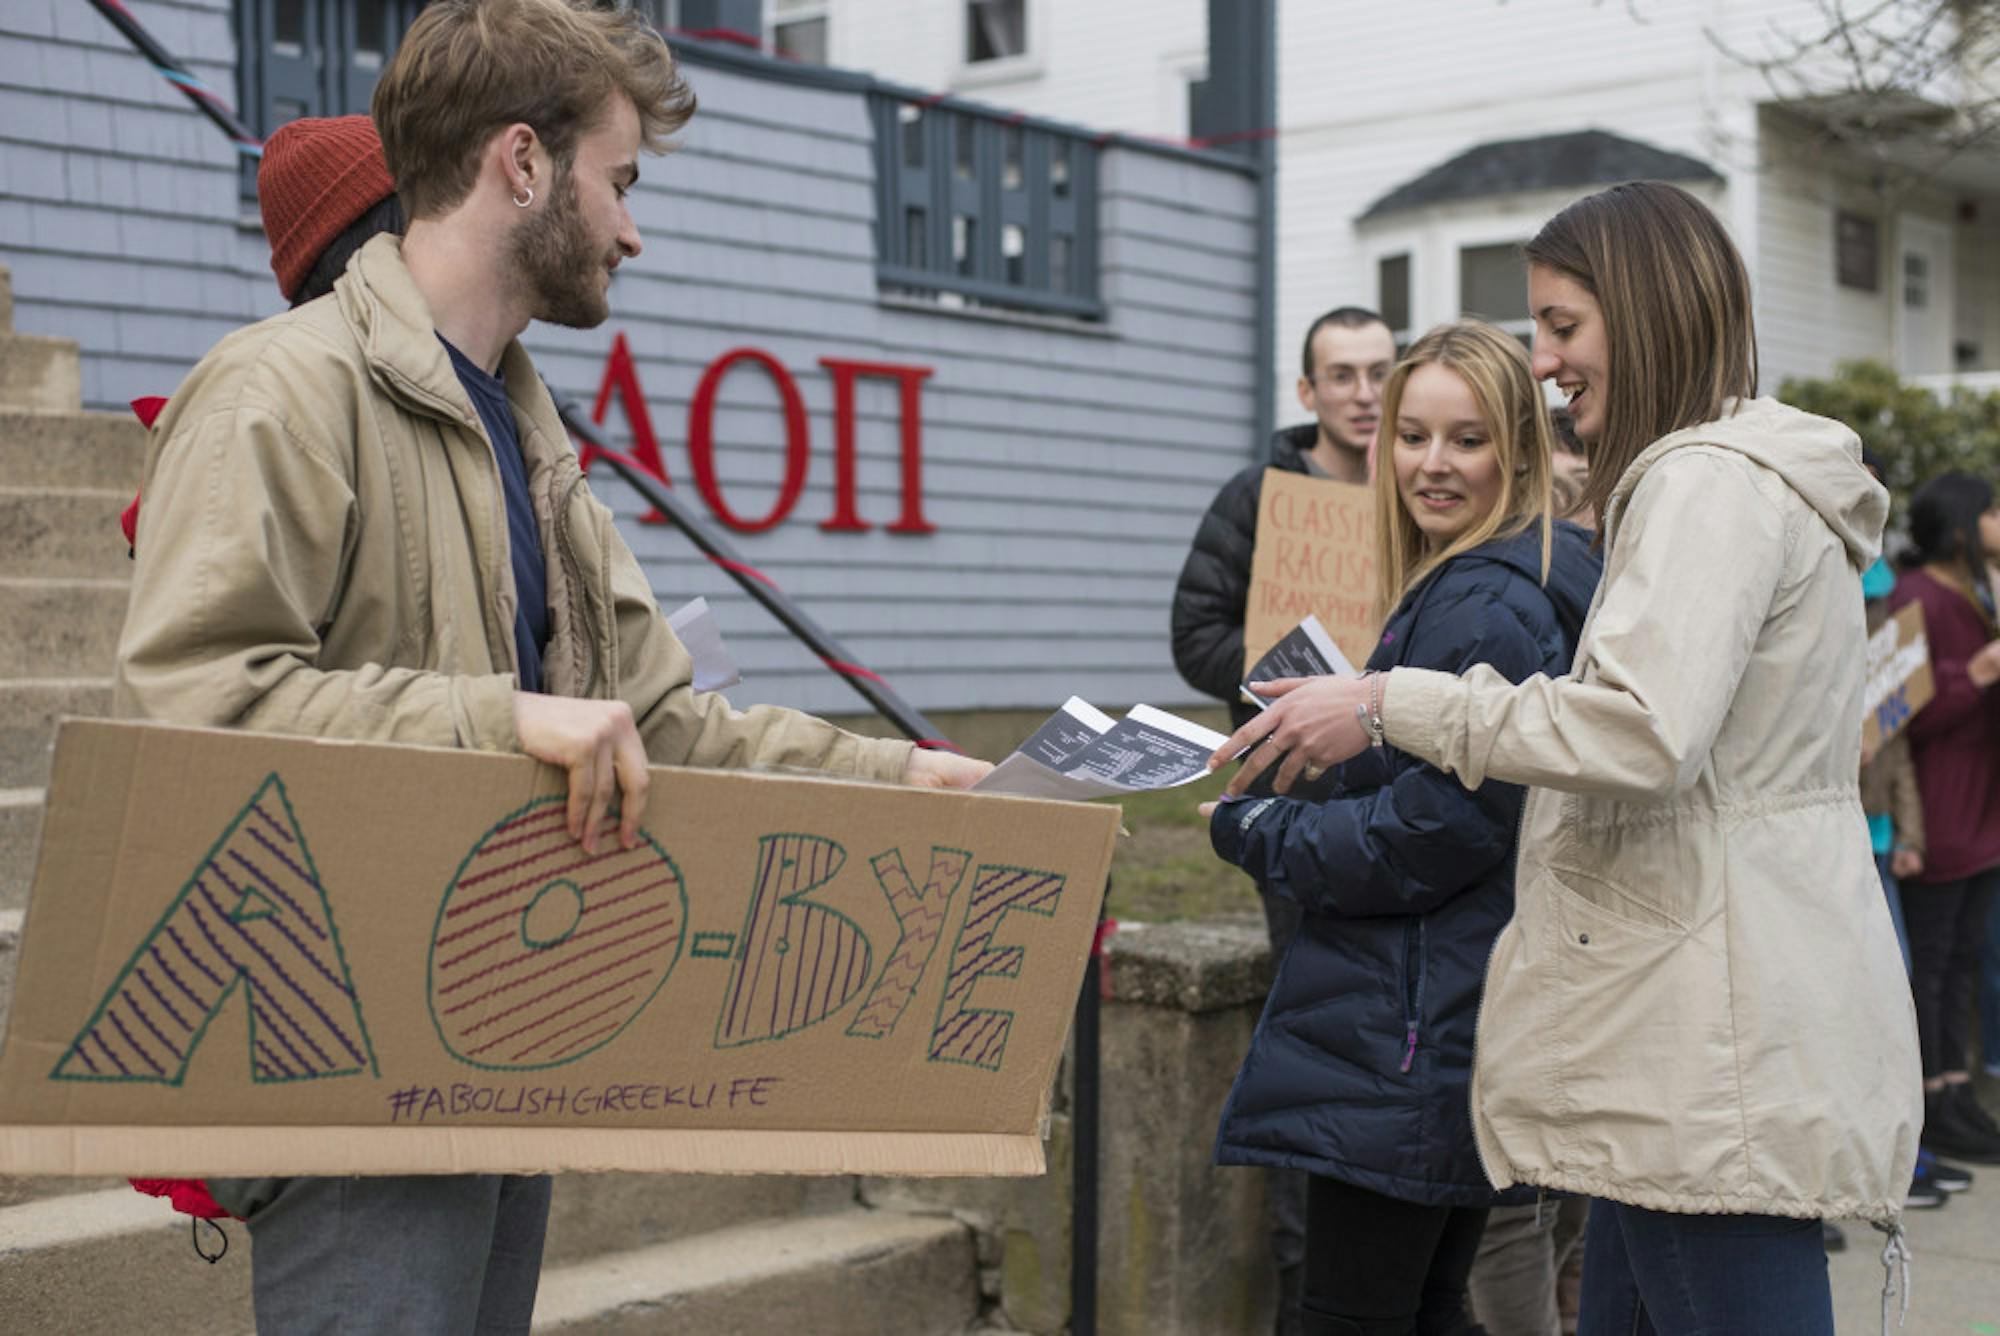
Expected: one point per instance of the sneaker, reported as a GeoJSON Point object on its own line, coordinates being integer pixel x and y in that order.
{"type": "Point", "coordinates": [1945, 1177]}
{"type": "Point", "coordinates": [1924, 1196]}
{"type": "Point", "coordinates": [1947, 1131]}
{"type": "Point", "coordinates": [1830, 1234]}
{"type": "Point", "coordinates": [1971, 1110]}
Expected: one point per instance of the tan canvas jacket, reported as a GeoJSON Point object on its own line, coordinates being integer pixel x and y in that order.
{"type": "Point", "coordinates": [1699, 1005]}
{"type": "Point", "coordinates": [323, 550]}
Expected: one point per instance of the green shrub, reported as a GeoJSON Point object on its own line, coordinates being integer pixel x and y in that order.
{"type": "Point", "coordinates": [1917, 433]}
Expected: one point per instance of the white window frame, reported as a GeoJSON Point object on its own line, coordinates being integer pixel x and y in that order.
{"type": "Point", "coordinates": [1030, 64]}
{"type": "Point", "coordinates": [776, 17]}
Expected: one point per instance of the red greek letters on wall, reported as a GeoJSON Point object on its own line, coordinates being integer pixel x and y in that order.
{"type": "Point", "coordinates": [621, 381]}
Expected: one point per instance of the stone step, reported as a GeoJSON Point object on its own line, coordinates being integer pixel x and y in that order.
{"type": "Point", "coordinates": [29, 711]}
{"type": "Point", "coordinates": [43, 448]}
{"type": "Point", "coordinates": [591, 1213]}
{"type": "Point", "coordinates": [60, 628]}
{"type": "Point", "coordinates": [62, 532]}
{"type": "Point", "coordinates": [20, 827]}
{"type": "Point", "coordinates": [37, 371]}
{"type": "Point", "coordinates": [10, 959]}
{"type": "Point", "coordinates": [112, 1261]}
{"type": "Point", "coordinates": [857, 1273]}
{"type": "Point", "coordinates": [841, 1272]}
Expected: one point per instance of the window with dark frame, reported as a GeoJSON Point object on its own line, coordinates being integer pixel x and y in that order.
{"type": "Point", "coordinates": [1392, 294]}
{"type": "Point", "coordinates": [977, 208]}
{"type": "Point", "coordinates": [995, 29]}
{"type": "Point", "coordinates": [1857, 251]}
{"type": "Point", "coordinates": [311, 58]}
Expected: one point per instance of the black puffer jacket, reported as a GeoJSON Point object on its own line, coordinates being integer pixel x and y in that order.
{"type": "Point", "coordinates": [1214, 588]}
{"type": "Point", "coordinates": [1360, 1065]}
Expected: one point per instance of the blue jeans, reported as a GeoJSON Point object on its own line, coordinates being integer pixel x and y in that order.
{"type": "Point", "coordinates": [1895, 897]}
{"type": "Point", "coordinates": [1989, 992]}
{"type": "Point", "coordinates": [1652, 1273]}
{"type": "Point", "coordinates": [387, 1256]}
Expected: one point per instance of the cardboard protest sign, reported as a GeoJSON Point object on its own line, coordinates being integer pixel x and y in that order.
{"type": "Point", "coordinates": [1315, 554]}
{"type": "Point", "coordinates": [249, 954]}
{"type": "Point", "coordinates": [1899, 676]}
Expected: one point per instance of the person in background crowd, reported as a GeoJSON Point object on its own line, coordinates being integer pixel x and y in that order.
{"type": "Point", "coordinates": [1358, 1069]}
{"type": "Point", "coordinates": [1345, 358]}
{"type": "Point", "coordinates": [1955, 742]}
{"type": "Point", "coordinates": [1572, 472]}
{"type": "Point", "coordinates": [1895, 811]}
{"type": "Point", "coordinates": [323, 191]}
{"type": "Point", "coordinates": [303, 462]}
{"type": "Point", "coordinates": [1696, 1014]}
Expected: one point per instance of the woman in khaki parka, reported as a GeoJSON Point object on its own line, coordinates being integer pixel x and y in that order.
{"type": "Point", "coordinates": [1697, 1016]}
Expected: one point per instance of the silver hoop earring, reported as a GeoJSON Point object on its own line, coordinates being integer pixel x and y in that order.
{"type": "Point", "coordinates": [520, 203]}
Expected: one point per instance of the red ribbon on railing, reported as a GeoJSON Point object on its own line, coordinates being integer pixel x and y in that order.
{"type": "Point", "coordinates": [1106, 930]}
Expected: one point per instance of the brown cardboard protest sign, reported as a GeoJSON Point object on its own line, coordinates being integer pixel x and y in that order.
{"type": "Point", "coordinates": [1899, 676]}
{"type": "Point", "coordinates": [1315, 554]}
{"type": "Point", "coordinates": [249, 954]}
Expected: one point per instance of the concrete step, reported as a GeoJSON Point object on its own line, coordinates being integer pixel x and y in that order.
{"type": "Point", "coordinates": [856, 1273]}
{"type": "Point", "coordinates": [10, 958]}
{"type": "Point", "coordinates": [20, 827]}
{"type": "Point", "coordinates": [29, 711]}
{"type": "Point", "coordinates": [60, 628]}
{"type": "Point", "coordinates": [63, 532]}
{"type": "Point", "coordinates": [103, 1259]}
{"type": "Point", "coordinates": [591, 1212]}
{"type": "Point", "coordinates": [43, 448]}
{"type": "Point", "coordinates": [112, 1261]}
{"type": "Point", "coordinates": [37, 371]}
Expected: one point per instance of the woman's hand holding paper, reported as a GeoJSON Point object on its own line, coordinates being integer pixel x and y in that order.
{"type": "Point", "coordinates": [1311, 725]}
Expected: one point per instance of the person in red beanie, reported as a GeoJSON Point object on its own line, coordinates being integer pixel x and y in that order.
{"type": "Point", "coordinates": [371, 525]}
{"type": "Point", "coordinates": [324, 190]}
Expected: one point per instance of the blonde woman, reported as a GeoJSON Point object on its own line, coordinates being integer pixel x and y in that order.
{"type": "Point", "coordinates": [1698, 1015]}
{"type": "Point", "coordinates": [1359, 1068]}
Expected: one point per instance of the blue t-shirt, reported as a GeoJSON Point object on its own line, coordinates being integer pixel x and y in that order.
{"type": "Point", "coordinates": [524, 536]}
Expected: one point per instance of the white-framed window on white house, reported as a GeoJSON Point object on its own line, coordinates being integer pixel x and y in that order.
{"type": "Point", "coordinates": [797, 29]}
{"type": "Point", "coordinates": [1493, 287]}
{"type": "Point", "coordinates": [995, 30]}
{"type": "Point", "coordinates": [1392, 295]}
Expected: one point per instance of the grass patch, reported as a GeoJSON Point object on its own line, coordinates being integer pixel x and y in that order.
{"type": "Point", "coordinates": [1165, 870]}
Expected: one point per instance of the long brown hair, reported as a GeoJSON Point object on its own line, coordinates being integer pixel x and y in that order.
{"type": "Point", "coordinates": [1493, 366]}
{"type": "Point", "coordinates": [1679, 338]}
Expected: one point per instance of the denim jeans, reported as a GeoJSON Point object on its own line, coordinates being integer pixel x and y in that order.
{"type": "Point", "coordinates": [1653, 1273]}
{"type": "Point", "coordinates": [362, 1256]}
{"type": "Point", "coordinates": [1989, 992]}
{"type": "Point", "coordinates": [1895, 898]}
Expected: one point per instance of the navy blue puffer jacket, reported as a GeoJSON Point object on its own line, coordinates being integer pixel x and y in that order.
{"type": "Point", "coordinates": [1361, 1063]}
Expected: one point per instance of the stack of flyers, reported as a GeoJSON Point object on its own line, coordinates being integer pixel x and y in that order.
{"type": "Point", "coordinates": [1080, 752]}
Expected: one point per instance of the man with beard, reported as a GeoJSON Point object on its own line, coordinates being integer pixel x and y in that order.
{"type": "Point", "coordinates": [363, 520]}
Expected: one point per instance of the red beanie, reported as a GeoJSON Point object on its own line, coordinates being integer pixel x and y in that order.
{"type": "Point", "coordinates": [317, 177]}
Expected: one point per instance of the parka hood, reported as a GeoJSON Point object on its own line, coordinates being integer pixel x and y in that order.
{"type": "Point", "coordinates": [1818, 458]}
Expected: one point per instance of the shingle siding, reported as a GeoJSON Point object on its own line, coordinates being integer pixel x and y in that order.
{"type": "Point", "coordinates": [1064, 466]}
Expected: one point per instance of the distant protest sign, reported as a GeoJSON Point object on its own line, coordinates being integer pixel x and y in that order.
{"type": "Point", "coordinates": [1315, 554]}
{"type": "Point", "coordinates": [254, 955]}
{"type": "Point", "coordinates": [1899, 676]}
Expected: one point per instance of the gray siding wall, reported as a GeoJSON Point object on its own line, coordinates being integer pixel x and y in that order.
{"type": "Point", "coordinates": [1065, 466]}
